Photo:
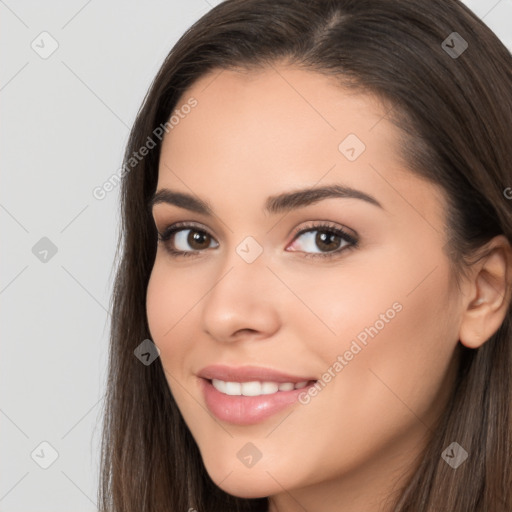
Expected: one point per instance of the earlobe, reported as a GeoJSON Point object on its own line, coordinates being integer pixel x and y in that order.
{"type": "Point", "coordinates": [490, 295]}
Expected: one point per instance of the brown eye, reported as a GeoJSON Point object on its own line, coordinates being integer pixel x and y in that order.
{"type": "Point", "coordinates": [186, 240]}
{"type": "Point", "coordinates": [327, 241]}
{"type": "Point", "coordinates": [197, 240]}
{"type": "Point", "coordinates": [322, 241]}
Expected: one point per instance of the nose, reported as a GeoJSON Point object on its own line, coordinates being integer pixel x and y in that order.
{"type": "Point", "coordinates": [244, 301]}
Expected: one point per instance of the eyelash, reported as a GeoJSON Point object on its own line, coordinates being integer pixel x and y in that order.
{"type": "Point", "coordinates": [325, 227]}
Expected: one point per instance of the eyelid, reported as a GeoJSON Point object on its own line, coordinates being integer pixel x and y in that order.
{"type": "Point", "coordinates": [319, 224]}
{"type": "Point", "coordinates": [184, 225]}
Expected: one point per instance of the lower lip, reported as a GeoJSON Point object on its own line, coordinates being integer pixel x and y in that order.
{"type": "Point", "coordinates": [247, 410]}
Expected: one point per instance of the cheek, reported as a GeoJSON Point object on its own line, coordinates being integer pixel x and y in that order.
{"type": "Point", "coordinates": [393, 326]}
{"type": "Point", "coordinates": [170, 315]}
{"type": "Point", "coordinates": [356, 300]}
{"type": "Point", "coordinates": [169, 303]}
{"type": "Point", "coordinates": [172, 293]}
{"type": "Point", "coordinates": [397, 342]}
{"type": "Point", "coordinates": [159, 303]}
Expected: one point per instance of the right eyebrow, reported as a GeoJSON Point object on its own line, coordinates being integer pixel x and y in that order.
{"type": "Point", "coordinates": [182, 200]}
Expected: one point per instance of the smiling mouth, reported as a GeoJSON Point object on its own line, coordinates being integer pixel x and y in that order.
{"type": "Point", "coordinates": [257, 388]}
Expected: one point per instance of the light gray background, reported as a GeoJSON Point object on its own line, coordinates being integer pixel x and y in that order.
{"type": "Point", "coordinates": [64, 124]}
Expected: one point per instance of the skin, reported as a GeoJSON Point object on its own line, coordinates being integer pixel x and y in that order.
{"type": "Point", "coordinates": [257, 134]}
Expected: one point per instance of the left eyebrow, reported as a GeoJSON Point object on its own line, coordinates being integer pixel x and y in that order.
{"type": "Point", "coordinates": [292, 200]}
{"type": "Point", "coordinates": [274, 204]}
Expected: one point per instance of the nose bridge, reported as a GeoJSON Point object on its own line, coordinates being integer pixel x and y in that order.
{"type": "Point", "coordinates": [240, 297]}
{"type": "Point", "coordinates": [243, 271]}
{"type": "Point", "coordinates": [249, 250]}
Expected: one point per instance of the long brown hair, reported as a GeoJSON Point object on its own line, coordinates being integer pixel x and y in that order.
{"type": "Point", "coordinates": [454, 106]}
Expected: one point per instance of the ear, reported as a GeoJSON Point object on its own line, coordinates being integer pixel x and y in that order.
{"type": "Point", "coordinates": [487, 302]}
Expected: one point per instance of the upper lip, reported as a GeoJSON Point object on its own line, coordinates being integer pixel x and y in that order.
{"type": "Point", "coordinates": [248, 374]}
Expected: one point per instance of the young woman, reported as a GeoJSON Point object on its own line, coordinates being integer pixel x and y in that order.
{"type": "Point", "coordinates": [312, 309]}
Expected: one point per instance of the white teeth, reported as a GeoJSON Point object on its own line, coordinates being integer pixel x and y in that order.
{"type": "Point", "coordinates": [254, 388]}
{"type": "Point", "coordinates": [267, 388]}
{"type": "Point", "coordinates": [233, 388]}
{"type": "Point", "coordinates": [219, 385]}
{"type": "Point", "coordinates": [251, 388]}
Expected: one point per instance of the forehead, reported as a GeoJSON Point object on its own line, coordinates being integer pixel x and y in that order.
{"type": "Point", "coordinates": [274, 116]}
{"type": "Point", "coordinates": [284, 95]}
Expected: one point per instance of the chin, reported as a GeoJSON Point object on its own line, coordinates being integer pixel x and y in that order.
{"type": "Point", "coordinates": [244, 483]}
{"type": "Point", "coordinates": [242, 489]}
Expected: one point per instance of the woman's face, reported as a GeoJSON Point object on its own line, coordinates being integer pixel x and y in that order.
{"type": "Point", "coordinates": [268, 282]}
